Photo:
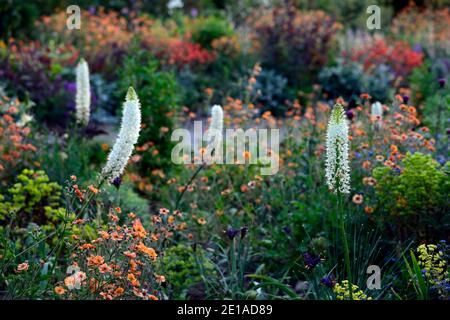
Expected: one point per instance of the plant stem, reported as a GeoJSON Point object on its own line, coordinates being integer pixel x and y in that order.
{"type": "Point", "coordinates": [233, 268]}
{"type": "Point", "coordinates": [345, 243]}
{"type": "Point", "coordinates": [186, 186]}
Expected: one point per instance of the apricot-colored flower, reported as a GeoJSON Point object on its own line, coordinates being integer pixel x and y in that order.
{"type": "Point", "coordinates": [60, 290]}
{"type": "Point", "coordinates": [368, 210]}
{"type": "Point", "coordinates": [119, 291]}
{"type": "Point", "coordinates": [148, 251]}
{"type": "Point", "coordinates": [104, 268]}
{"type": "Point", "coordinates": [358, 199]}
{"type": "Point", "coordinates": [95, 260]}
{"type": "Point", "coordinates": [23, 267]}
{"type": "Point", "coordinates": [138, 228]}
{"type": "Point", "coordinates": [160, 278]}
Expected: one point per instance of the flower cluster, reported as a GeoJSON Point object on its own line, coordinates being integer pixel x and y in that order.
{"type": "Point", "coordinates": [399, 56]}
{"type": "Point", "coordinates": [83, 95]}
{"type": "Point", "coordinates": [341, 291]}
{"type": "Point", "coordinates": [15, 150]}
{"type": "Point", "coordinates": [432, 262]}
{"type": "Point", "coordinates": [337, 166]}
{"type": "Point", "coordinates": [122, 262]}
{"type": "Point", "coordinates": [128, 136]}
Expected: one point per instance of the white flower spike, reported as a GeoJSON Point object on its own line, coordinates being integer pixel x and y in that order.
{"type": "Point", "coordinates": [128, 137]}
{"type": "Point", "coordinates": [337, 164]}
{"type": "Point", "coordinates": [83, 94]}
{"type": "Point", "coordinates": [377, 113]}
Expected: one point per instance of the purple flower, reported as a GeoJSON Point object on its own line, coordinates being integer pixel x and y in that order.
{"type": "Point", "coordinates": [244, 231]}
{"type": "Point", "coordinates": [328, 281]}
{"type": "Point", "coordinates": [350, 114]}
{"type": "Point", "coordinates": [117, 182]}
{"type": "Point", "coordinates": [406, 99]}
{"type": "Point", "coordinates": [194, 12]}
{"type": "Point", "coordinates": [441, 82]}
{"type": "Point", "coordinates": [311, 260]}
{"type": "Point", "coordinates": [231, 233]}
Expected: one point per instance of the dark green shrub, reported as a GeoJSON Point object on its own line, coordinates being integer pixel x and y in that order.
{"type": "Point", "coordinates": [208, 29]}
{"type": "Point", "coordinates": [182, 268]}
{"type": "Point", "coordinates": [33, 199]}
{"type": "Point", "coordinates": [415, 199]}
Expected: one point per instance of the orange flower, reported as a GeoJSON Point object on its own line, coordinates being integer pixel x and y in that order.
{"type": "Point", "coordinates": [368, 210]}
{"type": "Point", "coordinates": [394, 149]}
{"type": "Point", "coordinates": [86, 246]}
{"type": "Point", "coordinates": [358, 199]}
{"type": "Point", "coordinates": [23, 267]}
{"type": "Point", "coordinates": [95, 260]}
{"type": "Point", "coordinates": [148, 251]}
{"type": "Point", "coordinates": [152, 297]}
{"type": "Point", "coordinates": [365, 96]}
{"type": "Point", "coordinates": [103, 234]}
{"type": "Point", "coordinates": [366, 164]}
{"type": "Point", "coordinates": [119, 291]}
{"type": "Point", "coordinates": [369, 181]}
{"type": "Point", "coordinates": [118, 209]}
{"type": "Point", "coordinates": [93, 189]}
{"type": "Point", "coordinates": [201, 221]}
{"type": "Point", "coordinates": [129, 254]}
{"type": "Point", "coordinates": [104, 268]}
{"type": "Point", "coordinates": [163, 211]}
{"type": "Point", "coordinates": [132, 279]}
{"type": "Point", "coordinates": [159, 278]}
{"type": "Point", "coordinates": [59, 290]}
{"type": "Point", "coordinates": [138, 228]}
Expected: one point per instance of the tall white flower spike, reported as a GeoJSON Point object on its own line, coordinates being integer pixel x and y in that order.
{"type": "Point", "coordinates": [377, 113]}
{"type": "Point", "coordinates": [127, 138]}
{"type": "Point", "coordinates": [214, 150]}
{"type": "Point", "coordinates": [83, 94]}
{"type": "Point", "coordinates": [337, 164]}
{"type": "Point", "coordinates": [216, 120]}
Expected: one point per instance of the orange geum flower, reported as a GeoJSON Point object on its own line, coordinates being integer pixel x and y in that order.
{"type": "Point", "coordinates": [394, 149]}
{"type": "Point", "coordinates": [366, 164]}
{"type": "Point", "coordinates": [138, 229]}
{"type": "Point", "coordinates": [148, 251]}
{"type": "Point", "coordinates": [159, 278]}
{"type": "Point", "coordinates": [104, 268]}
{"type": "Point", "coordinates": [357, 199]}
{"type": "Point", "coordinates": [201, 221]}
{"type": "Point", "coordinates": [95, 260]}
{"type": "Point", "coordinates": [93, 189]}
{"type": "Point", "coordinates": [103, 234]}
{"type": "Point", "coordinates": [59, 290]}
{"type": "Point", "coordinates": [153, 297]}
{"type": "Point", "coordinates": [86, 246]}
{"type": "Point", "coordinates": [129, 254]}
{"type": "Point", "coordinates": [23, 267]}
{"type": "Point", "coordinates": [119, 291]}
{"type": "Point", "coordinates": [116, 236]}
{"type": "Point", "coordinates": [368, 210]}
{"type": "Point", "coordinates": [164, 211]}
{"type": "Point", "coordinates": [132, 279]}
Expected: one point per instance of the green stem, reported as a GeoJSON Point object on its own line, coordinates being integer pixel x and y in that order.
{"type": "Point", "coordinates": [345, 243]}
{"type": "Point", "coordinates": [233, 267]}
{"type": "Point", "coordinates": [186, 186]}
